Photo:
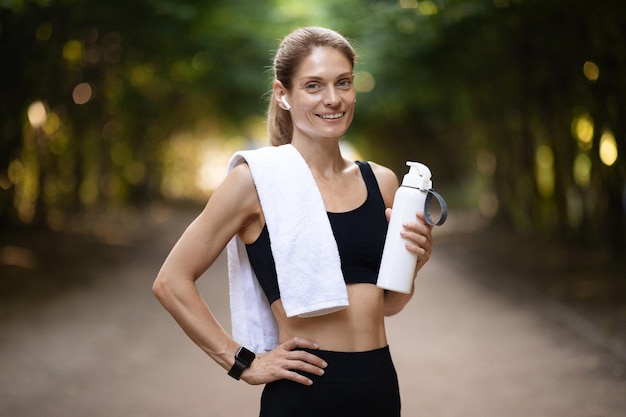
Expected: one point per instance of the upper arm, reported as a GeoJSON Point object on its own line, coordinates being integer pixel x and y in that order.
{"type": "Point", "coordinates": [232, 208]}
{"type": "Point", "coordinates": [387, 182]}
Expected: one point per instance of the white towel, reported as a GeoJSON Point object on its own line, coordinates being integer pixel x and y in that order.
{"type": "Point", "coordinates": [303, 245]}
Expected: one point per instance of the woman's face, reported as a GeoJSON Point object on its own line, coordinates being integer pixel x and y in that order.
{"type": "Point", "coordinates": [323, 96]}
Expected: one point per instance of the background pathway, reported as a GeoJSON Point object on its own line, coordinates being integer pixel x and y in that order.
{"type": "Point", "coordinates": [88, 338]}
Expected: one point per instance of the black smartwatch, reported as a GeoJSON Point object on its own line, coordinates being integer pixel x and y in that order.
{"type": "Point", "coordinates": [243, 360]}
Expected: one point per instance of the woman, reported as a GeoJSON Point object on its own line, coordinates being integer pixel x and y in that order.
{"type": "Point", "coordinates": [336, 363]}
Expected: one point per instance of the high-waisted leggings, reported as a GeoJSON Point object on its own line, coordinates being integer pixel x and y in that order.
{"type": "Point", "coordinates": [363, 384]}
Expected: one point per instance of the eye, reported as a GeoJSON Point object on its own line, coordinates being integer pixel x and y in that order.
{"type": "Point", "coordinates": [313, 86]}
{"type": "Point", "coordinates": [344, 83]}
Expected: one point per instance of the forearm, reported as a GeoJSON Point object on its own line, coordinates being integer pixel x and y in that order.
{"type": "Point", "coordinates": [183, 301]}
{"type": "Point", "coordinates": [396, 301]}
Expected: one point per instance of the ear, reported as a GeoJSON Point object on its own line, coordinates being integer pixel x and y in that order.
{"type": "Point", "coordinates": [279, 94]}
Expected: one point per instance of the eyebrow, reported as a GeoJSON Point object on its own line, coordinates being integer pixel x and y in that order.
{"type": "Point", "coordinates": [315, 77]}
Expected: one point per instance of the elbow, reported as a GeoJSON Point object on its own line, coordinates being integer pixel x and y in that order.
{"type": "Point", "coordinates": [157, 288]}
{"type": "Point", "coordinates": [392, 310]}
{"type": "Point", "coordinates": [391, 307]}
{"type": "Point", "coordinates": [395, 302]}
{"type": "Point", "coordinates": [169, 287]}
{"type": "Point", "coordinates": [161, 288]}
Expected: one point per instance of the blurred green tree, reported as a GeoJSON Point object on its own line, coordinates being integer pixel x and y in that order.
{"type": "Point", "coordinates": [494, 96]}
{"type": "Point", "coordinates": [517, 106]}
{"type": "Point", "coordinates": [93, 88]}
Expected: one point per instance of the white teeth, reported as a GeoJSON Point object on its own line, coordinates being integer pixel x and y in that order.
{"type": "Point", "coordinates": [331, 116]}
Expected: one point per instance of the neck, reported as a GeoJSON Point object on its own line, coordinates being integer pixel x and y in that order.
{"type": "Point", "coordinates": [323, 156]}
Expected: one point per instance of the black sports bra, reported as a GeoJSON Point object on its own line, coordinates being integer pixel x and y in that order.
{"type": "Point", "coordinates": [360, 236]}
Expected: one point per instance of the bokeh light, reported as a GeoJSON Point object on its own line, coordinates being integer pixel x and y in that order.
{"type": "Point", "coordinates": [52, 124]}
{"type": "Point", "coordinates": [582, 129]}
{"type": "Point", "coordinates": [15, 171]}
{"type": "Point", "coordinates": [364, 82]}
{"type": "Point", "coordinates": [37, 114]}
{"type": "Point", "coordinates": [544, 170]}
{"type": "Point", "coordinates": [428, 8]}
{"type": "Point", "coordinates": [82, 93]}
{"type": "Point", "coordinates": [581, 170]}
{"type": "Point", "coordinates": [608, 148]}
{"type": "Point", "coordinates": [73, 50]}
{"type": "Point", "coordinates": [142, 75]}
{"type": "Point", "coordinates": [591, 71]}
{"type": "Point", "coordinates": [408, 4]}
{"type": "Point", "coordinates": [424, 7]}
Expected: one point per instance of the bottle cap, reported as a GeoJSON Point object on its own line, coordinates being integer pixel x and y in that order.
{"type": "Point", "coordinates": [418, 176]}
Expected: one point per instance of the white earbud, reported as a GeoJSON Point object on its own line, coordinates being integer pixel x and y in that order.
{"type": "Point", "coordinates": [284, 100]}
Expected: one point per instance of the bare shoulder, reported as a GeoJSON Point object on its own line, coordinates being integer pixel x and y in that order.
{"type": "Point", "coordinates": [387, 181]}
{"type": "Point", "coordinates": [238, 191]}
{"type": "Point", "coordinates": [235, 204]}
{"type": "Point", "coordinates": [384, 175]}
{"type": "Point", "coordinates": [241, 176]}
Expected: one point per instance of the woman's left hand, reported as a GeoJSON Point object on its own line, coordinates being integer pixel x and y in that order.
{"type": "Point", "coordinates": [419, 237]}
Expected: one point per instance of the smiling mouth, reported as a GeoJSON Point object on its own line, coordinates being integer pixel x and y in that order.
{"type": "Point", "coordinates": [331, 116]}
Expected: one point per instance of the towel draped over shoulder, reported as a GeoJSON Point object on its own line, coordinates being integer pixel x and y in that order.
{"type": "Point", "coordinates": [305, 252]}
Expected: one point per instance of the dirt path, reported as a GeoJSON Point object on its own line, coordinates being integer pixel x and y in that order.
{"type": "Point", "coordinates": [93, 341]}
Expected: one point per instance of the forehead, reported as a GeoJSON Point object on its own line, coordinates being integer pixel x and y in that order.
{"type": "Point", "coordinates": [324, 62]}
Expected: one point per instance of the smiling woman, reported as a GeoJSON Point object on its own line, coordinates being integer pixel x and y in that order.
{"type": "Point", "coordinates": [304, 229]}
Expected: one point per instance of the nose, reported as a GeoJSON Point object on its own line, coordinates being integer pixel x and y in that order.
{"type": "Point", "coordinates": [331, 98]}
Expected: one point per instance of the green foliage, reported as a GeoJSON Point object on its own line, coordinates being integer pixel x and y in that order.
{"type": "Point", "coordinates": [480, 90]}
{"type": "Point", "coordinates": [476, 80]}
{"type": "Point", "coordinates": [150, 68]}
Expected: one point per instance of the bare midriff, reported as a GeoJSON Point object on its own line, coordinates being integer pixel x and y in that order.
{"type": "Point", "coordinates": [357, 328]}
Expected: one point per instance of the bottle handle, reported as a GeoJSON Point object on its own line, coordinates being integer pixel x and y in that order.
{"type": "Point", "coordinates": [442, 203]}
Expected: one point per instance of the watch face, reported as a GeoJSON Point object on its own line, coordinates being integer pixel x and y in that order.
{"type": "Point", "coordinates": [245, 355]}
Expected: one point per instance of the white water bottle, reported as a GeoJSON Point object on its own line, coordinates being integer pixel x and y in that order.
{"type": "Point", "coordinates": [398, 264]}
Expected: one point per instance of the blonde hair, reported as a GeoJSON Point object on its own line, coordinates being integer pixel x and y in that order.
{"type": "Point", "coordinates": [294, 48]}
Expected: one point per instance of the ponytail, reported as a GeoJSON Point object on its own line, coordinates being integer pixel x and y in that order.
{"type": "Point", "coordinates": [279, 124]}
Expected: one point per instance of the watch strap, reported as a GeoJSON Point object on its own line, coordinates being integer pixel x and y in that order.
{"type": "Point", "coordinates": [243, 360]}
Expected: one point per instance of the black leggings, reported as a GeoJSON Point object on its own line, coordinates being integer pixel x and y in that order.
{"type": "Point", "coordinates": [363, 384]}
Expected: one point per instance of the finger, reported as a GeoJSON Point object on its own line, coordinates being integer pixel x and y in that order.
{"type": "Point", "coordinates": [296, 377]}
{"type": "Point", "coordinates": [300, 342]}
{"type": "Point", "coordinates": [417, 243]}
{"type": "Point", "coordinates": [301, 359]}
{"type": "Point", "coordinates": [421, 252]}
{"type": "Point", "coordinates": [416, 236]}
{"type": "Point", "coordinates": [422, 218]}
{"type": "Point", "coordinates": [419, 233]}
{"type": "Point", "coordinates": [307, 361]}
{"type": "Point", "coordinates": [309, 364]}
{"type": "Point", "coordinates": [287, 370]}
